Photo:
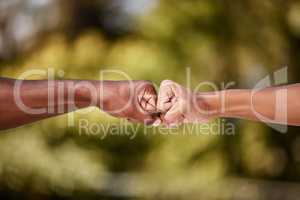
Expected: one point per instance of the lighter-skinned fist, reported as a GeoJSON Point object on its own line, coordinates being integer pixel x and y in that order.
{"type": "Point", "coordinates": [180, 105]}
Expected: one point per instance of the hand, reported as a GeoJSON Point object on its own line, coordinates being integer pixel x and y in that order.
{"type": "Point", "coordinates": [134, 100]}
{"type": "Point", "coordinates": [180, 105]}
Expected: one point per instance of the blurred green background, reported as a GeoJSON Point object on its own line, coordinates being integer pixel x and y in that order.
{"type": "Point", "coordinates": [220, 41]}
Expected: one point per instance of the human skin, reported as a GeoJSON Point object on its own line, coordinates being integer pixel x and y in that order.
{"type": "Point", "coordinates": [134, 100]}
{"type": "Point", "coordinates": [279, 105]}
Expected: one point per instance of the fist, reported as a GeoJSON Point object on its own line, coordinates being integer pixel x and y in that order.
{"type": "Point", "coordinates": [180, 105]}
{"type": "Point", "coordinates": [133, 100]}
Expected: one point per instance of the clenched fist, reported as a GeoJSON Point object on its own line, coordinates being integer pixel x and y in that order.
{"type": "Point", "coordinates": [134, 100]}
{"type": "Point", "coordinates": [180, 105]}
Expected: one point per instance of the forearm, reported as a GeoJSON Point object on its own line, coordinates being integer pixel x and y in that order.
{"type": "Point", "coordinates": [274, 104]}
{"type": "Point", "coordinates": [29, 101]}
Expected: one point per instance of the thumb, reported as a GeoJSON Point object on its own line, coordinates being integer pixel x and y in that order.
{"type": "Point", "coordinates": [174, 116]}
{"type": "Point", "coordinates": [165, 96]}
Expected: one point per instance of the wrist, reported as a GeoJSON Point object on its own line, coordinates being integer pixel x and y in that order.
{"type": "Point", "coordinates": [106, 93]}
{"type": "Point", "coordinates": [235, 103]}
{"type": "Point", "coordinates": [211, 101]}
{"type": "Point", "coordinates": [226, 103]}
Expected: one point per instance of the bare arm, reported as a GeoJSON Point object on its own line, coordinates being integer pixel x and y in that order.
{"type": "Point", "coordinates": [23, 102]}
{"type": "Point", "coordinates": [273, 105]}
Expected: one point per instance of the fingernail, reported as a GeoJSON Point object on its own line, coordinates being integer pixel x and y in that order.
{"type": "Point", "coordinates": [156, 123]}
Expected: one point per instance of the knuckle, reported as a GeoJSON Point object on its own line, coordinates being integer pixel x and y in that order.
{"type": "Point", "coordinates": [167, 82]}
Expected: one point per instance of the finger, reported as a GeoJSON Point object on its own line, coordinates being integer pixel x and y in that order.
{"type": "Point", "coordinates": [165, 96]}
{"type": "Point", "coordinates": [145, 117]}
{"type": "Point", "coordinates": [147, 98]}
{"type": "Point", "coordinates": [150, 105]}
{"type": "Point", "coordinates": [157, 122]}
{"type": "Point", "coordinates": [173, 116]}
